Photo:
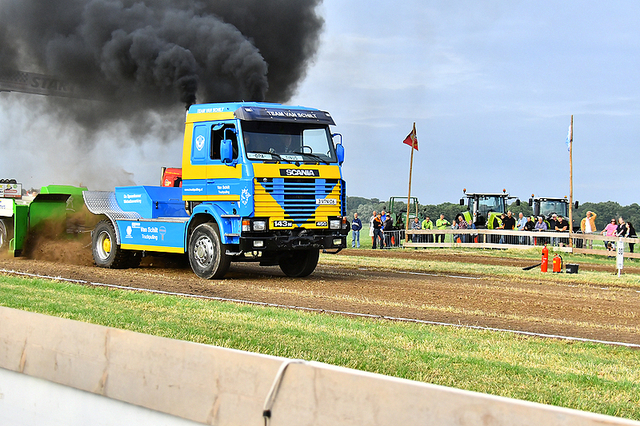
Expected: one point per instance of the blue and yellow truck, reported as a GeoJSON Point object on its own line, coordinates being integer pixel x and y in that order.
{"type": "Point", "coordinates": [261, 182]}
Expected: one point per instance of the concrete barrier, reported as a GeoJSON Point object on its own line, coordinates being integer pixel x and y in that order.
{"type": "Point", "coordinates": [218, 386]}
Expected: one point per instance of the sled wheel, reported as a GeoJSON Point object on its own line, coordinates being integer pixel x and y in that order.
{"type": "Point", "coordinates": [300, 263]}
{"type": "Point", "coordinates": [207, 255]}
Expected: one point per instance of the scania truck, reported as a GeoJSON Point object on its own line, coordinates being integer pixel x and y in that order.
{"type": "Point", "coordinates": [260, 182]}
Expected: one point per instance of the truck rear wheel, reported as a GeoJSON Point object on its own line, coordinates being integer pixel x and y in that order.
{"type": "Point", "coordinates": [207, 255]}
{"type": "Point", "coordinates": [299, 263]}
{"type": "Point", "coordinates": [106, 252]}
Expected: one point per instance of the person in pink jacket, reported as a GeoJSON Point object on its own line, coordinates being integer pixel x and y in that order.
{"type": "Point", "coordinates": [610, 230]}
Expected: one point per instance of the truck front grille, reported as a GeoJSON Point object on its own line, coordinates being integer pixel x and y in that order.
{"type": "Point", "coordinates": [298, 198]}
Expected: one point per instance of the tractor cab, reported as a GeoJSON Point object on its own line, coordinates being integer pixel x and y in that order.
{"type": "Point", "coordinates": [398, 210]}
{"type": "Point", "coordinates": [482, 208]}
{"type": "Point", "coordinates": [548, 206]}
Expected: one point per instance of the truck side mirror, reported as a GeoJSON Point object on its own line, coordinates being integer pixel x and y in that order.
{"type": "Point", "coordinates": [339, 148]}
{"type": "Point", "coordinates": [530, 202]}
{"type": "Point", "coordinates": [518, 202]}
{"type": "Point", "coordinates": [462, 201]}
{"type": "Point", "coordinates": [340, 153]}
{"type": "Point", "coordinates": [226, 146]}
{"type": "Point", "coordinates": [226, 151]}
{"type": "Point", "coordinates": [576, 204]}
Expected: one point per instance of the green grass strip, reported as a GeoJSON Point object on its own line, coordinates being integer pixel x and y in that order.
{"type": "Point", "coordinates": [591, 377]}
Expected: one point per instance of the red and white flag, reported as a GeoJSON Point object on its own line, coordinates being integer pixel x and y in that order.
{"type": "Point", "coordinates": [412, 139]}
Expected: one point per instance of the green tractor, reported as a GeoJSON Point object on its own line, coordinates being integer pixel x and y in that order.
{"type": "Point", "coordinates": [548, 206]}
{"type": "Point", "coordinates": [58, 208]}
{"type": "Point", "coordinates": [483, 208]}
{"type": "Point", "coordinates": [398, 210]}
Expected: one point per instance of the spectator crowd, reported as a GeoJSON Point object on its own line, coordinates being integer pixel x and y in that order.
{"type": "Point", "coordinates": [381, 225]}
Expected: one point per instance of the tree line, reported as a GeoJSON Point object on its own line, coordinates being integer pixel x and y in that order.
{"type": "Point", "coordinates": [605, 210]}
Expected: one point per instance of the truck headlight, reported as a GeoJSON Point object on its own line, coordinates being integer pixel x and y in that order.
{"type": "Point", "coordinates": [259, 225]}
{"type": "Point", "coordinates": [334, 224]}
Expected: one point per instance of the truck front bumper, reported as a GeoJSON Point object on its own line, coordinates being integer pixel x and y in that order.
{"type": "Point", "coordinates": [305, 239]}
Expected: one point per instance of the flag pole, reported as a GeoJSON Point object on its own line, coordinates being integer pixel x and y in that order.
{"type": "Point", "coordinates": [571, 183]}
{"type": "Point", "coordinates": [410, 174]}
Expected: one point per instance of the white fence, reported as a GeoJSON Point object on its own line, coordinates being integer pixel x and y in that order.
{"type": "Point", "coordinates": [490, 238]}
{"type": "Point", "coordinates": [218, 386]}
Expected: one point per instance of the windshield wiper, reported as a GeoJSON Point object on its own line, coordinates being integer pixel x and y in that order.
{"type": "Point", "coordinates": [312, 156]}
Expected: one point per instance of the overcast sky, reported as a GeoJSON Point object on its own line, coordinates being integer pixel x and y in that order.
{"type": "Point", "coordinates": [491, 87]}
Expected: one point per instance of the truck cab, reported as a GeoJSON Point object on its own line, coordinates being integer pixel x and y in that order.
{"type": "Point", "coordinates": [278, 175]}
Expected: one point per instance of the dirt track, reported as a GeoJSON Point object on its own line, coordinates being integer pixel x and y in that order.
{"type": "Point", "coordinates": [611, 314]}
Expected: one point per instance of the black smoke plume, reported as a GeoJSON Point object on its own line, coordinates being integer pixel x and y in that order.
{"type": "Point", "coordinates": [147, 56]}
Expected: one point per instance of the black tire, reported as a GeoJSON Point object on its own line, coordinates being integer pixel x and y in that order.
{"type": "Point", "coordinates": [207, 255]}
{"type": "Point", "coordinates": [299, 263]}
{"type": "Point", "coordinates": [106, 252]}
{"type": "Point", "coordinates": [4, 238]}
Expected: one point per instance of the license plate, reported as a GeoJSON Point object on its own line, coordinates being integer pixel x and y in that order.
{"type": "Point", "coordinates": [282, 224]}
{"type": "Point", "coordinates": [326, 201]}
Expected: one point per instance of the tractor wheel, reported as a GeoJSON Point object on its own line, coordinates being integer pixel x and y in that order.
{"type": "Point", "coordinates": [299, 263]}
{"type": "Point", "coordinates": [4, 239]}
{"type": "Point", "coordinates": [106, 252]}
{"type": "Point", "coordinates": [207, 255]}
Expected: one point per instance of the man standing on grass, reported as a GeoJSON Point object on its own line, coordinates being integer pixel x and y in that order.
{"type": "Point", "coordinates": [588, 225]}
{"type": "Point", "coordinates": [377, 231]}
{"type": "Point", "coordinates": [356, 226]}
{"type": "Point", "coordinates": [441, 224]}
{"type": "Point", "coordinates": [427, 224]}
{"type": "Point", "coordinates": [522, 222]}
{"type": "Point", "coordinates": [509, 223]}
{"type": "Point", "coordinates": [415, 226]}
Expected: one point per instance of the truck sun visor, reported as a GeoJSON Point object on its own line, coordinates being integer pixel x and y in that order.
{"type": "Point", "coordinates": [251, 113]}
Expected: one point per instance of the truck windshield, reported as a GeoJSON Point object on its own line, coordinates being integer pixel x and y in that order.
{"type": "Point", "coordinates": [549, 207]}
{"type": "Point", "coordinates": [301, 142]}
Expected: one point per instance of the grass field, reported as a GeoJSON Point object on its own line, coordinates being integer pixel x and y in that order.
{"type": "Point", "coordinates": [514, 273]}
{"type": "Point", "coordinates": [585, 376]}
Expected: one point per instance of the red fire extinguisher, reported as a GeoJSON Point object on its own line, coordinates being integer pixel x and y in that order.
{"type": "Point", "coordinates": [557, 263]}
{"type": "Point", "coordinates": [545, 259]}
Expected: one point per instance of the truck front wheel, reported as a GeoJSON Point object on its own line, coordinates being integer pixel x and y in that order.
{"type": "Point", "coordinates": [299, 263]}
{"type": "Point", "coordinates": [207, 256]}
{"type": "Point", "coordinates": [106, 252]}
